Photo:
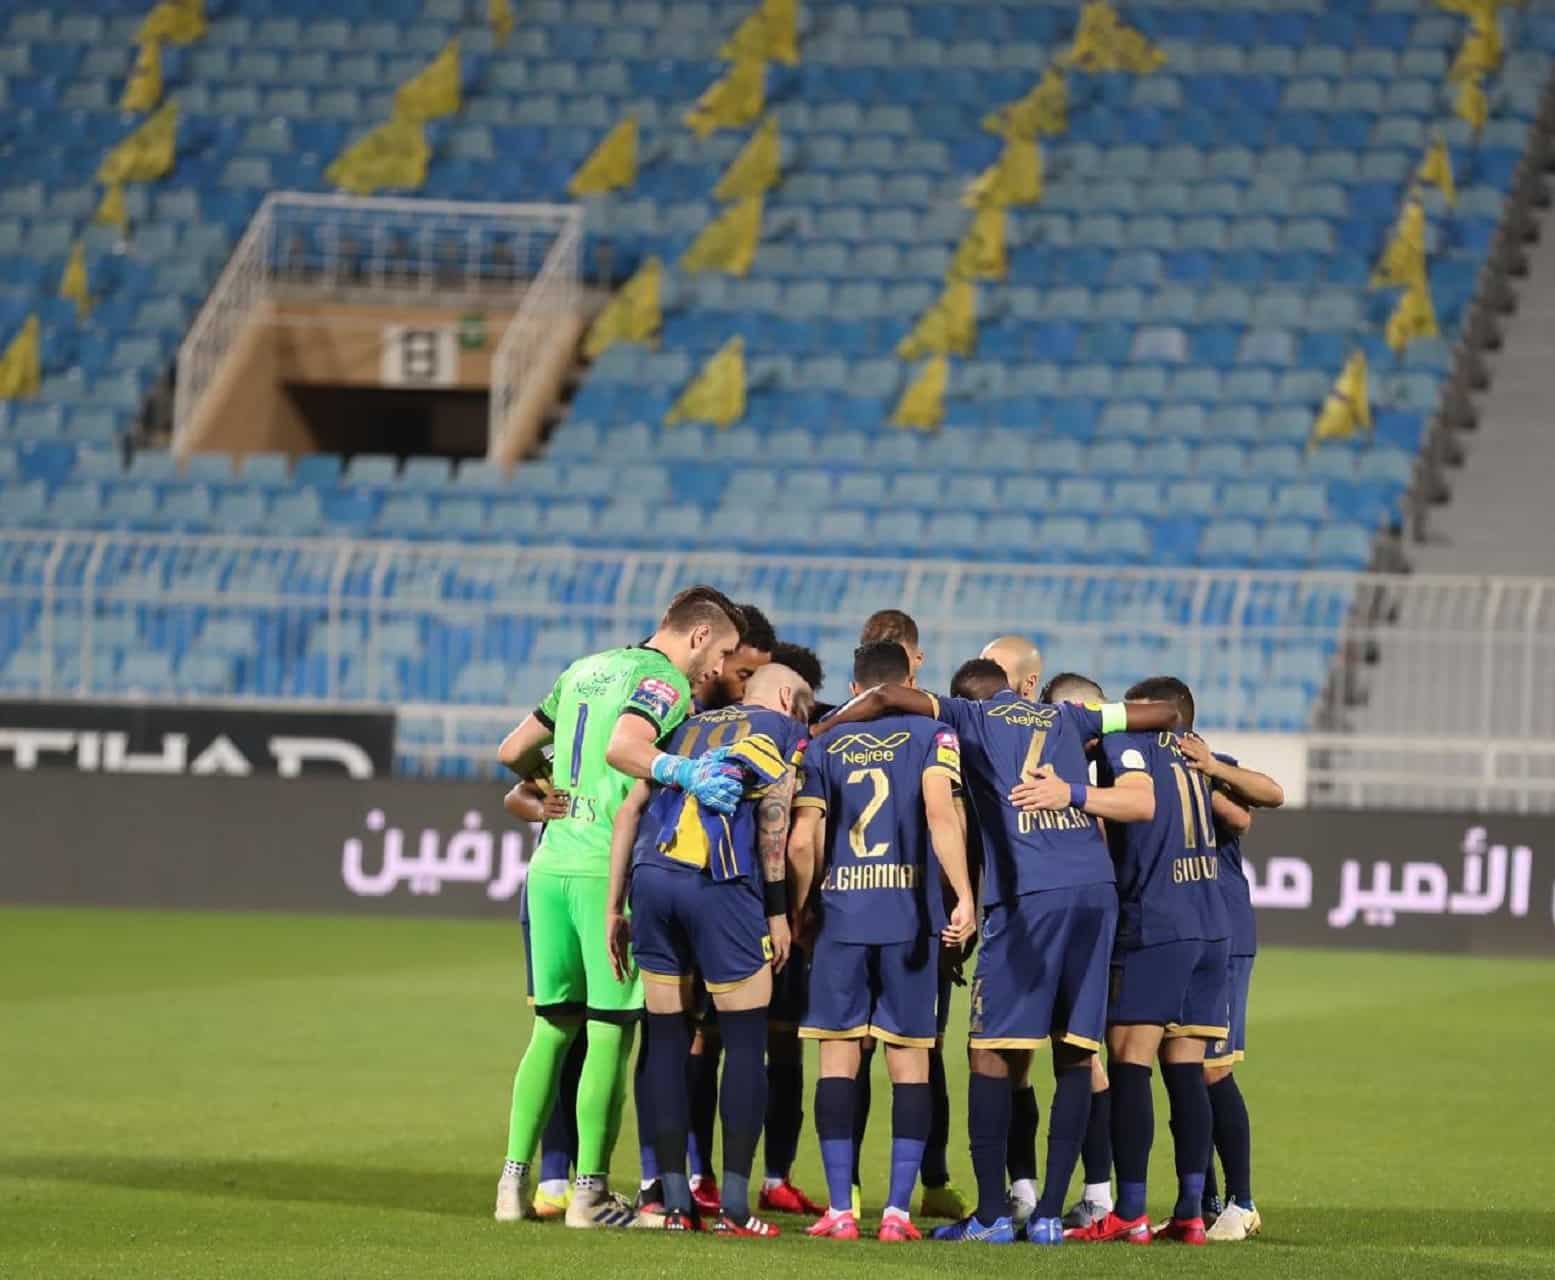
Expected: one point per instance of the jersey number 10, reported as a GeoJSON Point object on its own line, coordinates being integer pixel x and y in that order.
{"type": "Point", "coordinates": [1193, 793]}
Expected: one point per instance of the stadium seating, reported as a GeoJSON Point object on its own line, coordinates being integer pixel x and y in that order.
{"type": "Point", "coordinates": [1145, 379]}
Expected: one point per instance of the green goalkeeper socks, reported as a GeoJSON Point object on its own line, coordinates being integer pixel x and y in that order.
{"type": "Point", "coordinates": [535, 1085]}
{"type": "Point", "coordinates": [602, 1094]}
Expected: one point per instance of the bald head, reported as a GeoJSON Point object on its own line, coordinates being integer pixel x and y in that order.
{"type": "Point", "coordinates": [779, 688]}
{"type": "Point", "coordinates": [1021, 660]}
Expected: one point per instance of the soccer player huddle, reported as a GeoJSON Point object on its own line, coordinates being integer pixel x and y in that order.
{"type": "Point", "coordinates": [737, 868]}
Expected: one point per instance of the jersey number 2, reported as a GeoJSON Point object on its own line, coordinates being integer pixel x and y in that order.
{"type": "Point", "coordinates": [858, 840]}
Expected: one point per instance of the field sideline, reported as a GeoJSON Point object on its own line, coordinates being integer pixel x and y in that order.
{"type": "Point", "coordinates": [297, 1097]}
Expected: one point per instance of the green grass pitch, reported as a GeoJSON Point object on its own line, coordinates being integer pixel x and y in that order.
{"type": "Point", "coordinates": [268, 1096]}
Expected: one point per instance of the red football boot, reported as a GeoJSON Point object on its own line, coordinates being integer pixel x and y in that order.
{"type": "Point", "coordinates": [787, 1198]}
{"type": "Point", "coordinates": [704, 1191]}
{"type": "Point", "coordinates": [1112, 1227]}
{"type": "Point", "coordinates": [895, 1229]}
{"type": "Point", "coordinates": [724, 1225]}
{"type": "Point", "coordinates": [835, 1226]}
{"type": "Point", "coordinates": [1182, 1231]}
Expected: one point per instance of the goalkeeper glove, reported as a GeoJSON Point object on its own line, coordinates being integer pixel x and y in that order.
{"type": "Point", "coordinates": [713, 783]}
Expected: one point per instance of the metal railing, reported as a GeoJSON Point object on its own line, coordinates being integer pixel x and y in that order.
{"type": "Point", "coordinates": [383, 251]}
{"type": "Point", "coordinates": [240, 291]}
{"type": "Point", "coordinates": [1413, 687]}
{"type": "Point", "coordinates": [555, 295]}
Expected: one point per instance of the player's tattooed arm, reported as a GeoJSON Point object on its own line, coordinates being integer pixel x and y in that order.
{"type": "Point", "coordinates": [1253, 789]}
{"type": "Point", "coordinates": [772, 813]}
{"type": "Point", "coordinates": [521, 750]}
{"type": "Point", "coordinates": [1229, 814]}
{"type": "Point", "coordinates": [623, 835]}
{"type": "Point", "coordinates": [882, 700]}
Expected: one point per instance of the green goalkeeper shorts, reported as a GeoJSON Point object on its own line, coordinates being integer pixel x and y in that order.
{"type": "Point", "coordinates": [568, 952]}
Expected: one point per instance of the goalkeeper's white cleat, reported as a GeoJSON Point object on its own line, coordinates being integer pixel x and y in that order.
{"type": "Point", "coordinates": [1235, 1223]}
{"type": "Point", "coordinates": [514, 1199]}
{"type": "Point", "coordinates": [595, 1207]}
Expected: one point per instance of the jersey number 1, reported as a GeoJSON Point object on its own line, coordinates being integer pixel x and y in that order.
{"type": "Point", "coordinates": [578, 730]}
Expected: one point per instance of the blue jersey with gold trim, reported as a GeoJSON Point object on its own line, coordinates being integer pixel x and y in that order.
{"type": "Point", "coordinates": [732, 849]}
{"type": "Point", "coordinates": [1233, 884]}
{"type": "Point", "coordinates": [1003, 740]}
{"type": "Point", "coordinates": [1169, 867]}
{"type": "Point", "coordinates": [879, 867]}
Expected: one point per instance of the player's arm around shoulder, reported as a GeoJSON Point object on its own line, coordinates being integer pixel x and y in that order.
{"type": "Point", "coordinates": [1248, 787]}
{"type": "Point", "coordinates": [1131, 797]}
{"type": "Point", "coordinates": [634, 745]}
{"type": "Point", "coordinates": [1229, 814]}
{"type": "Point", "coordinates": [877, 703]}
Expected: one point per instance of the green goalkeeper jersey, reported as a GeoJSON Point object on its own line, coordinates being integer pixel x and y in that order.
{"type": "Point", "coordinates": [581, 711]}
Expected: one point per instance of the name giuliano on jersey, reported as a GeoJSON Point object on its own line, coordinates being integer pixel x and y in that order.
{"type": "Point", "coordinates": [727, 850]}
{"type": "Point", "coordinates": [869, 780]}
{"type": "Point", "coordinates": [1003, 740]}
{"type": "Point", "coordinates": [1233, 884]}
{"type": "Point", "coordinates": [1169, 867]}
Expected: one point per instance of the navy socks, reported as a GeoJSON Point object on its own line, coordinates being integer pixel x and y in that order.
{"type": "Point", "coordinates": [1233, 1139]}
{"type": "Point", "coordinates": [1133, 1130]}
{"type": "Point", "coordinates": [666, 1045]}
{"type": "Point", "coordinates": [861, 1101]}
{"type": "Point", "coordinates": [1065, 1132]}
{"type": "Point", "coordinates": [1191, 1124]}
{"type": "Point", "coordinates": [1096, 1151]}
{"type": "Point", "coordinates": [912, 1113]}
{"type": "Point", "coordinates": [742, 1103]}
{"type": "Point", "coordinates": [1020, 1156]}
{"type": "Point", "coordinates": [785, 1115]}
{"type": "Point", "coordinates": [989, 1105]}
{"type": "Point", "coordinates": [702, 1076]}
{"type": "Point", "coordinates": [936, 1171]}
{"type": "Point", "coordinates": [834, 1100]}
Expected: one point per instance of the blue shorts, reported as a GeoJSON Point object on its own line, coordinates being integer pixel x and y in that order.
{"type": "Point", "coordinates": [1042, 969]}
{"type": "Point", "coordinates": [880, 989]}
{"type": "Point", "coordinates": [790, 991]}
{"type": "Point", "coordinates": [685, 924]}
{"type": "Point", "coordinates": [1231, 1050]}
{"type": "Point", "coordinates": [1181, 986]}
{"type": "Point", "coordinates": [942, 1005]}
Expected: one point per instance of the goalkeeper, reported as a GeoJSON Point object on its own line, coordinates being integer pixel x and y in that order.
{"type": "Point", "coordinates": [605, 716]}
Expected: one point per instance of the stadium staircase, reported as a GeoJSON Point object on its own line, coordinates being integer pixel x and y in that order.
{"type": "Point", "coordinates": [1146, 376]}
{"type": "Point", "coordinates": [1500, 519]}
